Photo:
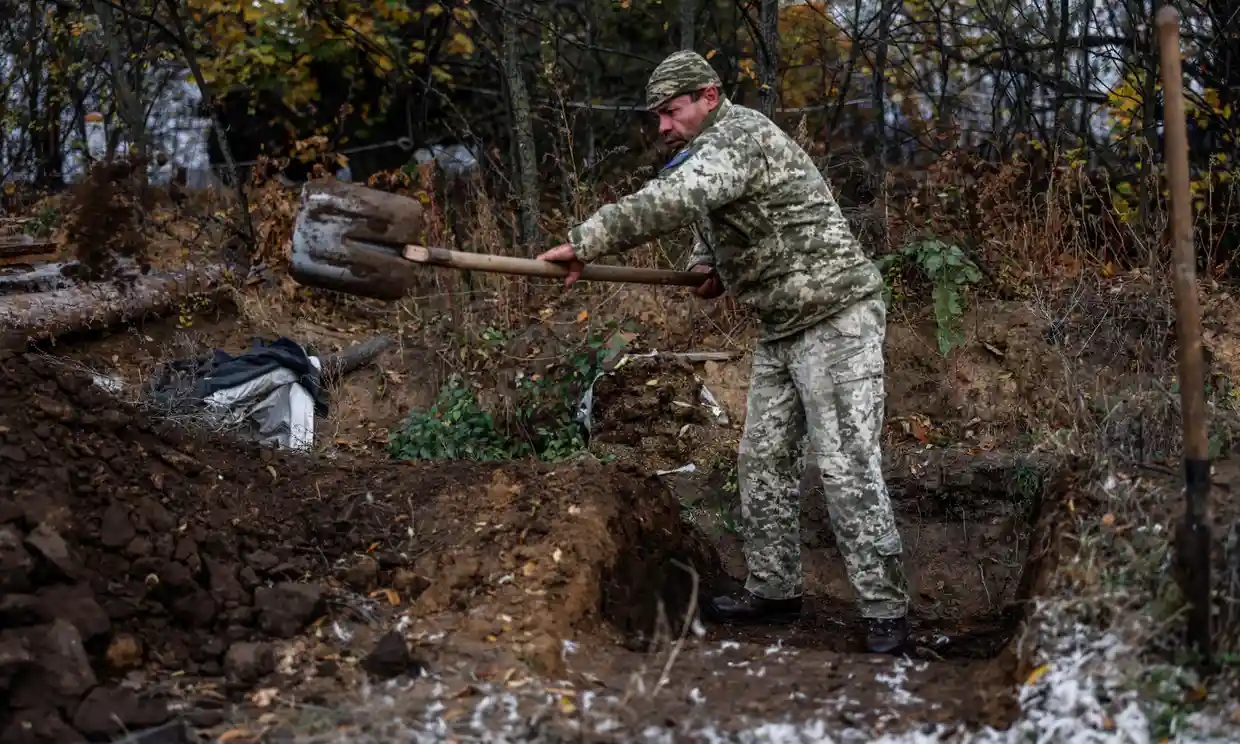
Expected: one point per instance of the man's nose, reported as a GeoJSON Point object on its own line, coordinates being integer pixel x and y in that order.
{"type": "Point", "coordinates": [665, 124]}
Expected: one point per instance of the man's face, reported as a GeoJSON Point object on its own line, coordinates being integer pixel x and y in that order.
{"type": "Point", "coordinates": [680, 119]}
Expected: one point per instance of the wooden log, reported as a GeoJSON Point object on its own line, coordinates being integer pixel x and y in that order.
{"type": "Point", "coordinates": [40, 316]}
{"type": "Point", "coordinates": [340, 364]}
{"type": "Point", "coordinates": [330, 211]}
{"type": "Point", "coordinates": [24, 250]}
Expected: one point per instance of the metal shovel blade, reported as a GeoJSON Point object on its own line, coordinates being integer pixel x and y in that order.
{"type": "Point", "coordinates": [331, 211]}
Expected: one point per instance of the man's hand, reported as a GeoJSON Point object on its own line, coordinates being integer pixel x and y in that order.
{"type": "Point", "coordinates": [712, 287]}
{"type": "Point", "coordinates": [564, 253]}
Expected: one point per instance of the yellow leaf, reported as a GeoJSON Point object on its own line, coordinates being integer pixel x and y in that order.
{"type": "Point", "coordinates": [583, 316]}
{"type": "Point", "coordinates": [392, 597]}
{"type": "Point", "coordinates": [1037, 674]}
{"type": "Point", "coordinates": [711, 53]}
{"type": "Point", "coordinates": [461, 44]}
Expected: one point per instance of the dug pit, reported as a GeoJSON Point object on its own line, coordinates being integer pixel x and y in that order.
{"type": "Point", "coordinates": [967, 519]}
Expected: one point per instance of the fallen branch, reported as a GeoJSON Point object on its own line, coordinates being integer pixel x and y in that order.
{"type": "Point", "coordinates": [341, 364]}
{"type": "Point", "coordinates": [41, 316]}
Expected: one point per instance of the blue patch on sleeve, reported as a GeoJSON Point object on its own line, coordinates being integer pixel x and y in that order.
{"type": "Point", "coordinates": [680, 157]}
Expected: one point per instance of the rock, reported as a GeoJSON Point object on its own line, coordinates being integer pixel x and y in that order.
{"type": "Point", "coordinates": [185, 548]}
{"type": "Point", "coordinates": [249, 579]}
{"type": "Point", "coordinates": [16, 562]}
{"type": "Point", "coordinates": [124, 652]}
{"type": "Point", "coordinates": [77, 605]}
{"type": "Point", "coordinates": [224, 583]}
{"type": "Point", "coordinates": [150, 516]}
{"type": "Point", "coordinates": [364, 575]}
{"type": "Point", "coordinates": [116, 529]}
{"type": "Point", "coordinates": [197, 610]}
{"type": "Point", "coordinates": [176, 575]}
{"type": "Point", "coordinates": [109, 711]}
{"type": "Point", "coordinates": [61, 672]}
{"type": "Point", "coordinates": [390, 657]}
{"type": "Point", "coordinates": [246, 663]}
{"type": "Point", "coordinates": [262, 561]}
{"type": "Point", "coordinates": [48, 543]}
{"type": "Point", "coordinates": [138, 547]}
{"type": "Point", "coordinates": [286, 608]}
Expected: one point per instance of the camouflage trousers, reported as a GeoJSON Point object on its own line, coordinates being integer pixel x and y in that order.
{"type": "Point", "coordinates": [825, 385]}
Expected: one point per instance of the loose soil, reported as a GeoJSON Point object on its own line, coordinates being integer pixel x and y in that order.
{"type": "Point", "coordinates": [150, 570]}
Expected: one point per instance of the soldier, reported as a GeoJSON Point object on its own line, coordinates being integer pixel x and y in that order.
{"type": "Point", "coordinates": [766, 226]}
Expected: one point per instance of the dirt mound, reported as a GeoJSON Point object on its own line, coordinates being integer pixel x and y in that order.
{"type": "Point", "coordinates": [650, 411]}
{"type": "Point", "coordinates": [131, 548]}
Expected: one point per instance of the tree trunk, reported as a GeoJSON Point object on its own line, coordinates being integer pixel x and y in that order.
{"type": "Point", "coordinates": [29, 318]}
{"type": "Point", "coordinates": [768, 47]}
{"type": "Point", "coordinates": [523, 126]}
{"type": "Point", "coordinates": [688, 19]}
{"type": "Point", "coordinates": [130, 107]}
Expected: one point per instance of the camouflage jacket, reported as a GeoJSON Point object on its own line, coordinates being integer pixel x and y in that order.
{"type": "Point", "coordinates": [761, 214]}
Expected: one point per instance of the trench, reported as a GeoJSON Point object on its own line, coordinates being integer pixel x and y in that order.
{"type": "Point", "coordinates": [976, 532]}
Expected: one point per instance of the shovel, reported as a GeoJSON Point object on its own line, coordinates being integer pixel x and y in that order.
{"type": "Point", "coordinates": [364, 242]}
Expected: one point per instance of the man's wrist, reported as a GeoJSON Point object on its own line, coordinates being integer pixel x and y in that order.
{"type": "Point", "coordinates": [581, 244]}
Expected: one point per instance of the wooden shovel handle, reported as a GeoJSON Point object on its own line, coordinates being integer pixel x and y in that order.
{"type": "Point", "coordinates": [533, 267]}
{"type": "Point", "coordinates": [1183, 254]}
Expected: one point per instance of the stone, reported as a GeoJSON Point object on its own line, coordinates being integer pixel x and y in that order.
{"type": "Point", "coordinates": [223, 580]}
{"type": "Point", "coordinates": [16, 563]}
{"type": "Point", "coordinates": [390, 657]}
{"type": "Point", "coordinates": [116, 530]}
{"type": "Point", "coordinates": [76, 604]}
{"type": "Point", "coordinates": [262, 561]}
{"type": "Point", "coordinates": [110, 711]}
{"type": "Point", "coordinates": [246, 662]}
{"type": "Point", "coordinates": [196, 610]}
{"type": "Point", "coordinates": [47, 542]}
{"type": "Point", "coordinates": [61, 672]}
{"type": "Point", "coordinates": [286, 608]}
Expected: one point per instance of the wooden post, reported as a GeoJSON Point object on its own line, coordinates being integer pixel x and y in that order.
{"type": "Point", "coordinates": [1192, 541]}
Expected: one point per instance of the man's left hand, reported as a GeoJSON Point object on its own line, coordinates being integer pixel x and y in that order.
{"type": "Point", "coordinates": [564, 253]}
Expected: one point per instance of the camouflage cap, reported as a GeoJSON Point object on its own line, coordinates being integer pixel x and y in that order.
{"type": "Point", "coordinates": [682, 72]}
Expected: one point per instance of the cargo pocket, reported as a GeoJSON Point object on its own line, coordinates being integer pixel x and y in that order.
{"type": "Point", "coordinates": [889, 544]}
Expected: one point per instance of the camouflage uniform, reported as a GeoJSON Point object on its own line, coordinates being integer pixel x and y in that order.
{"type": "Point", "coordinates": [764, 217]}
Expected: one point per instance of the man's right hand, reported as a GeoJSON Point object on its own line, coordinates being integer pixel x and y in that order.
{"type": "Point", "coordinates": [712, 287]}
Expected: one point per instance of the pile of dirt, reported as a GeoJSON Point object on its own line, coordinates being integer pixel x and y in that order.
{"type": "Point", "coordinates": [650, 412]}
{"type": "Point", "coordinates": [131, 548]}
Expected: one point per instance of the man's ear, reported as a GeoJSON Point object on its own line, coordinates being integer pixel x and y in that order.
{"type": "Point", "coordinates": [711, 96]}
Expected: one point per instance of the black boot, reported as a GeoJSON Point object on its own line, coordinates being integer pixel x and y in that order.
{"type": "Point", "coordinates": [750, 608]}
{"type": "Point", "coordinates": [887, 635]}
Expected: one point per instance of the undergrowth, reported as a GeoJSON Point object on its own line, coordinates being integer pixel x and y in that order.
{"type": "Point", "coordinates": [544, 421]}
